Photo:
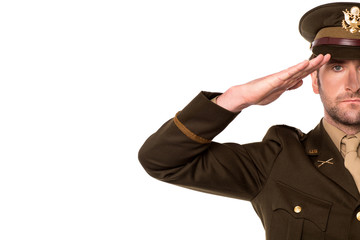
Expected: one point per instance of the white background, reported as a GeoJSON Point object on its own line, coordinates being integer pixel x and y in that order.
{"type": "Point", "coordinates": [84, 83]}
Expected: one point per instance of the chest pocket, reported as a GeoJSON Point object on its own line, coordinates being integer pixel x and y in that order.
{"type": "Point", "coordinates": [297, 215]}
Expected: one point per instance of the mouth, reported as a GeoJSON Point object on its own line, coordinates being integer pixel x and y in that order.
{"type": "Point", "coordinates": [352, 100]}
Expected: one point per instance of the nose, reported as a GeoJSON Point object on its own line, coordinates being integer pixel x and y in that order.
{"type": "Point", "coordinates": [354, 79]}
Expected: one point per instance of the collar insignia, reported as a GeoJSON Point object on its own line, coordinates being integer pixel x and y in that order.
{"type": "Point", "coordinates": [329, 161]}
{"type": "Point", "coordinates": [313, 151]}
{"type": "Point", "coordinates": [351, 20]}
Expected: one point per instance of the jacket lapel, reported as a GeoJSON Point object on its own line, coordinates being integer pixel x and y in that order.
{"type": "Point", "coordinates": [328, 160]}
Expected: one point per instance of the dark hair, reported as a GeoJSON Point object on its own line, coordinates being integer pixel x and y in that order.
{"type": "Point", "coordinates": [313, 56]}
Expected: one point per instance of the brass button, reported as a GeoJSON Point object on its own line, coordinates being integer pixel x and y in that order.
{"type": "Point", "coordinates": [358, 216]}
{"type": "Point", "coordinates": [297, 209]}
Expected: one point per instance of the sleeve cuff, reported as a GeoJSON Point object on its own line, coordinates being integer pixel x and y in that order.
{"type": "Point", "coordinates": [201, 120]}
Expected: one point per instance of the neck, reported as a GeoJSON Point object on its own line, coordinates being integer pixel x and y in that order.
{"type": "Point", "coordinates": [346, 128]}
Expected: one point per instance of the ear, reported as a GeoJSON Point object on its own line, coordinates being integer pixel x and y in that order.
{"type": "Point", "coordinates": [315, 83]}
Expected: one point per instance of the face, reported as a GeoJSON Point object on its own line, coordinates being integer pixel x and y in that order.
{"type": "Point", "coordinates": [338, 83]}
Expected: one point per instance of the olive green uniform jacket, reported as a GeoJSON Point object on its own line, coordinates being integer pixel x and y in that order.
{"type": "Point", "coordinates": [296, 182]}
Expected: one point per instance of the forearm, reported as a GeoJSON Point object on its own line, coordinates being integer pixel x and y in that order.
{"type": "Point", "coordinates": [185, 136]}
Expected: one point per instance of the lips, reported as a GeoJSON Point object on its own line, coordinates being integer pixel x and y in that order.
{"type": "Point", "coordinates": [352, 100]}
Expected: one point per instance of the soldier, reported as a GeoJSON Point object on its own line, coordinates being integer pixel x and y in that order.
{"type": "Point", "coordinates": [302, 186]}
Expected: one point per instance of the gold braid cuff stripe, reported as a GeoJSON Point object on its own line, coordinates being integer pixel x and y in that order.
{"type": "Point", "coordinates": [189, 133]}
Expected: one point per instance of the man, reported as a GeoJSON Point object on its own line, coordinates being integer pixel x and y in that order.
{"type": "Point", "coordinates": [302, 186]}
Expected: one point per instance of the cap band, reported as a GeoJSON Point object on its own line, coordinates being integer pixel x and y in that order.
{"type": "Point", "coordinates": [336, 41]}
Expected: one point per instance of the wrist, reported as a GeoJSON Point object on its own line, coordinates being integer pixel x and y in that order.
{"type": "Point", "coordinates": [231, 102]}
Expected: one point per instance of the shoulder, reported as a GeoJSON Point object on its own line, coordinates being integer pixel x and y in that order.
{"type": "Point", "coordinates": [284, 132]}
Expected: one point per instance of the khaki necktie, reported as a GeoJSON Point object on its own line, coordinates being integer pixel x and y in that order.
{"type": "Point", "coordinates": [352, 160]}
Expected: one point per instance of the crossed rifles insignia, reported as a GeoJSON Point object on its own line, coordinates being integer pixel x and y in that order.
{"type": "Point", "coordinates": [352, 20]}
{"type": "Point", "coordinates": [329, 161]}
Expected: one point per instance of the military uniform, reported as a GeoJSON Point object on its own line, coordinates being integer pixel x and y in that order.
{"type": "Point", "coordinates": [296, 182]}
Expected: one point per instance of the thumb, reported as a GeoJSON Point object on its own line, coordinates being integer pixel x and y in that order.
{"type": "Point", "coordinates": [297, 85]}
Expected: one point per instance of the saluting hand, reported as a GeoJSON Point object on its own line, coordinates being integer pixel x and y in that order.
{"type": "Point", "coordinates": [265, 90]}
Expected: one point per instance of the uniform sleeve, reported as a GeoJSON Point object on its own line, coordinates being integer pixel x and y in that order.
{"type": "Point", "coordinates": [182, 152]}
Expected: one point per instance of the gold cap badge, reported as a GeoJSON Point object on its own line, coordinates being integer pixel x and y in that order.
{"type": "Point", "coordinates": [352, 20]}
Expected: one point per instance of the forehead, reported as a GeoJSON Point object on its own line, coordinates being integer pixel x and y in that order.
{"type": "Point", "coordinates": [342, 61]}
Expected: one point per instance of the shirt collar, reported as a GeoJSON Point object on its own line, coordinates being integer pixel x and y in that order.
{"type": "Point", "coordinates": [334, 133]}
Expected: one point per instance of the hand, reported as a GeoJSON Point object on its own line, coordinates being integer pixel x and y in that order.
{"type": "Point", "coordinates": [265, 90]}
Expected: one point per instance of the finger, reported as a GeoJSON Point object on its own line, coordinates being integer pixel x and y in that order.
{"type": "Point", "coordinates": [313, 66]}
{"type": "Point", "coordinates": [302, 69]}
{"type": "Point", "coordinates": [313, 63]}
{"type": "Point", "coordinates": [296, 80]}
{"type": "Point", "coordinates": [327, 58]}
{"type": "Point", "coordinates": [289, 78]}
{"type": "Point", "coordinates": [291, 71]}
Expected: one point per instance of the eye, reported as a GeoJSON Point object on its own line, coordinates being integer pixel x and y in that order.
{"type": "Point", "coordinates": [337, 68]}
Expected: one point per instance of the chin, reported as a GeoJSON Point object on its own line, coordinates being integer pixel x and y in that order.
{"type": "Point", "coordinates": [349, 118]}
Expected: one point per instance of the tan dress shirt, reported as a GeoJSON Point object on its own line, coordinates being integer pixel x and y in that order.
{"type": "Point", "coordinates": [336, 136]}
